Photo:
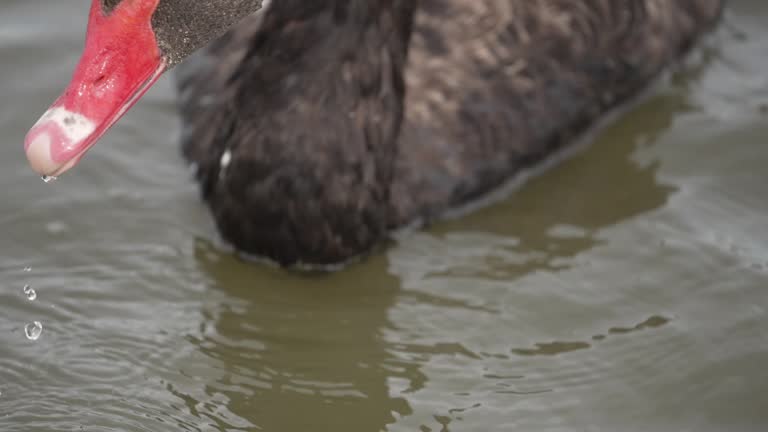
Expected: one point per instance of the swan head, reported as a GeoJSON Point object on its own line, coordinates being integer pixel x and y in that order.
{"type": "Point", "coordinates": [129, 44]}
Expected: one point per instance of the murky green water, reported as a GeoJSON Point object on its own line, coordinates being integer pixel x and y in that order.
{"type": "Point", "coordinates": [625, 290]}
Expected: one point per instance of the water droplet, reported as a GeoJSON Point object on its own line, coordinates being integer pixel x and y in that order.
{"type": "Point", "coordinates": [33, 330]}
{"type": "Point", "coordinates": [27, 269]}
{"type": "Point", "coordinates": [30, 292]}
{"type": "Point", "coordinates": [48, 179]}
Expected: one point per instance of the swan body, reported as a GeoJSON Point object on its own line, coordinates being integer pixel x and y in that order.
{"type": "Point", "coordinates": [318, 127]}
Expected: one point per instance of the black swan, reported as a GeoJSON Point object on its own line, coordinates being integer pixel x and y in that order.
{"type": "Point", "coordinates": [316, 127]}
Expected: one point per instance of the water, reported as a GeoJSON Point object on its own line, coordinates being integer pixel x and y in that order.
{"type": "Point", "coordinates": [623, 291]}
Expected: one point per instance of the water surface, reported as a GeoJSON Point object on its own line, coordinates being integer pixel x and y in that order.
{"type": "Point", "coordinates": [623, 291]}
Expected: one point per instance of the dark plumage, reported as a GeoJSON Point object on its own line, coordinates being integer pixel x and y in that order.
{"type": "Point", "coordinates": [317, 127]}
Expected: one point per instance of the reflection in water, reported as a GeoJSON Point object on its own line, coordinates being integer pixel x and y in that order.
{"type": "Point", "coordinates": [652, 322]}
{"type": "Point", "coordinates": [552, 348]}
{"type": "Point", "coordinates": [556, 348]}
{"type": "Point", "coordinates": [303, 353]}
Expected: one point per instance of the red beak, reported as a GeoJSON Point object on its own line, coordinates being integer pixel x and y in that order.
{"type": "Point", "coordinates": [120, 62]}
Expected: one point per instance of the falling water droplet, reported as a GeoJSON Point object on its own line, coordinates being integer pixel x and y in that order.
{"type": "Point", "coordinates": [30, 292]}
{"type": "Point", "coordinates": [48, 179]}
{"type": "Point", "coordinates": [33, 330]}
